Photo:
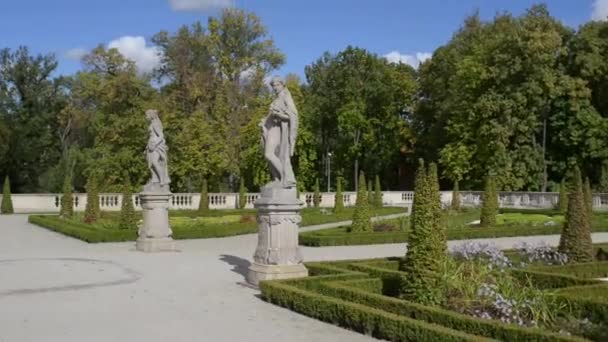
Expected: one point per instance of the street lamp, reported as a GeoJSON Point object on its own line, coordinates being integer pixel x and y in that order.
{"type": "Point", "coordinates": [328, 171]}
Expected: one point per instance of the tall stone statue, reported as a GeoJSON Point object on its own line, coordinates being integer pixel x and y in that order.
{"type": "Point", "coordinates": [155, 234]}
{"type": "Point", "coordinates": [279, 133]}
{"type": "Point", "coordinates": [156, 154]}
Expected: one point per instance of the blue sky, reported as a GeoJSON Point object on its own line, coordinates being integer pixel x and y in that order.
{"type": "Point", "coordinates": [302, 29]}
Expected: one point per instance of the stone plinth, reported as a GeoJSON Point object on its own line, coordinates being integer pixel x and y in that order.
{"type": "Point", "coordinates": [155, 232]}
{"type": "Point", "coordinates": [277, 255]}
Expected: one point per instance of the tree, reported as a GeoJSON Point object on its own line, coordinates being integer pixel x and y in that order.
{"type": "Point", "coordinates": [563, 196]}
{"type": "Point", "coordinates": [7, 201]}
{"type": "Point", "coordinates": [92, 210]}
{"type": "Point", "coordinates": [67, 199]}
{"type": "Point", "coordinates": [203, 204]}
{"type": "Point", "coordinates": [378, 193]}
{"type": "Point", "coordinates": [427, 243]}
{"type": "Point", "coordinates": [455, 205]}
{"type": "Point", "coordinates": [362, 215]}
{"type": "Point", "coordinates": [489, 208]}
{"type": "Point", "coordinates": [128, 218]}
{"type": "Point", "coordinates": [339, 198]}
{"type": "Point", "coordinates": [575, 240]}
{"type": "Point", "coordinates": [242, 194]}
{"type": "Point", "coordinates": [316, 197]}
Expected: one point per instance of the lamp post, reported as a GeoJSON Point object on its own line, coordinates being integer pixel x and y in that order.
{"type": "Point", "coordinates": [328, 171]}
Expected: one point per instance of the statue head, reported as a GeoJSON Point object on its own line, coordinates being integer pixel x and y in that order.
{"type": "Point", "coordinates": [151, 114]}
{"type": "Point", "coordinates": [277, 84]}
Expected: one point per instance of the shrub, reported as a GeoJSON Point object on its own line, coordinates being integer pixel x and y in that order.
{"type": "Point", "coordinates": [603, 184]}
{"type": "Point", "coordinates": [378, 193]}
{"type": "Point", "coordinates": [489, 208]}
{"type": "Point", "coordinates": [455, 205]}
{"type": "Point", "coordinates": [7, 201]}
{"type": "Point", "coordinates": [67, 199]}
{"type": "Point", "coordinates": [427, 243]}
{"type": "Point", "coordinates": [575, 240]}
{"type": "Point", "coordinates": [242, 194]}
{"type": "Point", "coordinates": [91, 211]}
{"type": "Point", "coordinates": [361, 216]}
{"type": "Point", "coordinates": [563, 197]}
{"type": "Point", "coordinates": [339, 198]}
{"type": "Point", "coordinates": [203, 204]}
{"type": "Point", "coordinates": [128, 219]}
{"type": "Point", "coordinates": [316, 197]}
{"type": "Point", "coordinates": [588, 195]}
{"type": "Point", "coordinates": [370, 193]}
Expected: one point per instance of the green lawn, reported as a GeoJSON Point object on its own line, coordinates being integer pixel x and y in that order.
{"type": "Point", "coordinates": [509, 223]}
{"type": "Point", "coordinates": [186, 224]}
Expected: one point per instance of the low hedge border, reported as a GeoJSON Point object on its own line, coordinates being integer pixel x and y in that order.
{"type": "Point", "coordinates": [588, 270]}
{"type": "Point", "coordinates": [352, 294]}
{"type": "Point", "coordinates": [587, 301]}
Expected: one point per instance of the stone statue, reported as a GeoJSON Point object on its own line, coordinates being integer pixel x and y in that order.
{"type": "Point", "coordinates": [156, 154]}
{"type": "Point", "coordinates": [279, 132]}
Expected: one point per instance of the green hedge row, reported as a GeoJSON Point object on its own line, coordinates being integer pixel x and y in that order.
{"type": "Point", "coordinates": [588, 270]}
{"type": "Point", "coordinates": [587, 301]}
{"type": "Point", "coordinates": [82, 231]}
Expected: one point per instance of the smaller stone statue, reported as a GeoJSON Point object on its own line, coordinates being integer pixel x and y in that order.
{"type": "Point", "coordinates": [279, 133]}
{"type": "Point", "coordinates": [156, 154]}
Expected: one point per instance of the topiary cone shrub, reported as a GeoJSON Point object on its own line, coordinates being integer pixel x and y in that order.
{"type": "Point", "coordinates": [361, 216]}
{"type": "Point", "coordinates": [128, 219]}
{"type": "Point", "coordinates": [377, 193]}
{"type": "Point", "coordinates": [575, 240]}
{"type": "Point", "coordinates": [489, 208]}
{"type": "Point", "coordinates": [316, 197]}
{"type": "Point", "coordinates": [242, 194]}
{"type": "Point", "coordinates": [588, 196]}
{"type": "Point", "coordinates": [92, 210]}
{"type": "Point", "coordinates": [67, 199]}
{"type": "Point", "coordinates": [203, 204]}
{"type": "Point", "coordinates": [339, 198]}
{"type": "Point", "coordinates": [7, 200]}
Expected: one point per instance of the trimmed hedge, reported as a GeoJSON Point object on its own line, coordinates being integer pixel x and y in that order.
{"type": "Point", "coordinates": [82, 231]}
{"type": "Point", "coordinates": [352, 294]}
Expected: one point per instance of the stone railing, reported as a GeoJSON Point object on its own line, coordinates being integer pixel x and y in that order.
{"type": "Point", "coordinates": [50, 203]}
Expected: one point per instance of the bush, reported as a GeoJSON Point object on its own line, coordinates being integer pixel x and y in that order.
{"type": "Point", "coordinates": [339, 198]}
{"type": "Point", "coordinates": [575, 240]}
{"type": "Point", "coordinates": [370, 193]}
{"type": "Point", "coordinates": [7, 201]}
{"type": "Point", "coordinates": [92, 210]}
{"type": "Point", "coordinates": [361, 216]}
{"type": "Point", "coordinates": [563, 197]}
{"type": "Point", "coordinates": [203, 204]}
{"type": "Point", "coordinates": [603, 184]}
{"type": "Point", "coordinates": [316, 197]}
{"type": "Point", "coordinates": [128, 218]}
{"type": "Point", "coordinates": [455, 205]}
{"type": "Point", "coordinates": [242, 194]}
{"type": "Point", "coordinates": [588, 195]}
{"type": "Point", "coordinates": [67, 200]}
{"type": "Point", "coordinates": [427, 244]}
{"type": "Point", "coordinates": [378, 193]}
{"type": "Point", "coordinates": [489, 208]}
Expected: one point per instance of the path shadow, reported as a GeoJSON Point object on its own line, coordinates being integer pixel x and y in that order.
{"type": "Point", "coordinates": [240, 265]}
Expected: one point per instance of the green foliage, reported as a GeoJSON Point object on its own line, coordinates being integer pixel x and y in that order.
{"type": "Point", "coordinates": [128, 218]}
{"type": "Point", "coordinates": [316, 197]}
{"type": "Point", "coordinates": [377, 193]}
{"type": "Point", "coordinates": [588, 197]}
{"type": "Point", "coordinates": [603, 183]}
{"type": "Point", "coordinates": [7, 201]}
{"type": "Point", "coordinates": [455, 205]}
{"type": "Point", "coordinates": [370, 194]}
{"type": "Point", "coordinates": [489, 208]}
{"type": "Point", "coordinates": [575, 240]}
{"type": "Point", "coordinates": [67, 199]}
{"type": "Point", "coordinates": [92, 210]}
{"type": "Point", "coordinates": [563, 196]}
{"type": "Point", "coordinates": [339, 199]}
{"type": "Point", "coordinates": [361, 216]}
{"type": "Point", "coordinates": [242, 194]}
{"type": "Point", "coordinates": [203, 204]}
{"type": "Point", "coordinates": [427, 242]}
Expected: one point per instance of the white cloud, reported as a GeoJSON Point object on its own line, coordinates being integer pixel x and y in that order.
{"type": "Point", "coordinates": [600, 10]}
{"type": "Point", "coordinates": [413, 60]}
{"type": "Point", "coordinates": [198, 5]}
{"type": "Point", "coordinates": [134, 48]}
{"type": "Point", "coordinates": [76, 53]}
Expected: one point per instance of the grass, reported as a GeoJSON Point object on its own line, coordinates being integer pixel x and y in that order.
{"type": "Point", "coordinates": [186, 224]}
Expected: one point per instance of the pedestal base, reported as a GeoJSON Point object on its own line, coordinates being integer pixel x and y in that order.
{"type": "Point", "coordinates": [258, 272]}
{"type": "Point", "coordinates": [150, 245]}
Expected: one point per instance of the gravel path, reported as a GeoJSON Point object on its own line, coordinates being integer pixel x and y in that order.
{"type": "Point", "coordinates": [55, 288]}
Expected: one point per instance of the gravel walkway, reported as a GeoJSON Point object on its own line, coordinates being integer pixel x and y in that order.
{"type": "Point", "coordinates": [55, 288]}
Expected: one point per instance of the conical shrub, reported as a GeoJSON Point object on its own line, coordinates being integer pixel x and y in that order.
{"type": "Point", "coordinates": [67, 199]}
{"type": "Point", "coordinates": [316, 197]}
{"type": "Point", "coordinates": [489, 208]}
{"type": "Point", "coordinates": [575, 240]}
{"type": "Point", "coordinates": [377, 193]}
{"type": "Point", "coordinates": [128, 218]}
{"type": "Point", "coordinates": [588, 195]}
{"type": "Point", "coordinates": [339, 199]}
{"type": "Point", "coordinates": [7, 200]}
{"type": "Point", "coordinates": [370, 194]}
{"type": "Point", "coordinates": [203, 204]}
{"type": "Point", "coordinates": [361, 216]}
{"type": "Point", "coordinates": [92, 210]}
{"type": "Point", "coordinates": [242, 194]}
{"type": "Point", "coordinates": [455, 205]}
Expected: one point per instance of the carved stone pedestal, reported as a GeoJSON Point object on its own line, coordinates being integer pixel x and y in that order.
{"type": "Point", "coordinates": [155, 232]}
{"type": "Point", "coordinates": [277, 255]}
